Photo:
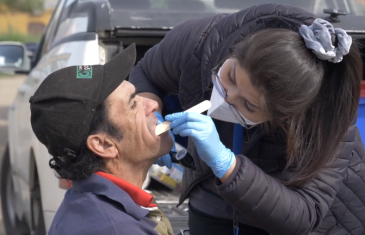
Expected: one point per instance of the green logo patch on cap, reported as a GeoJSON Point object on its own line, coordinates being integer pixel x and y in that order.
{"type": "Point", "coordinates": [84, 72]}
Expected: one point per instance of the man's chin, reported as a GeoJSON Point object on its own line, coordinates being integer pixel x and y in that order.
{"type": "Point", "coordinates": [166, 140]}
{"type": "Point", "coordinates": [163, 151]}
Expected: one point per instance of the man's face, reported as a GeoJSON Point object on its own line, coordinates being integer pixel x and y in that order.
{"type": "Point", "coordinates": [134, 115]}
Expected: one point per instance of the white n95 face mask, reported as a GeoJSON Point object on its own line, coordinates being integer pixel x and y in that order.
{"type": "Point", "coordinates": [221, 110]}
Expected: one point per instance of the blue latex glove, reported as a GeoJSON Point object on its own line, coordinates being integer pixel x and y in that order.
{"type": "Point", "coordinates": [202, 130]}
{"type": "Point", "coordinates": [165, 160]}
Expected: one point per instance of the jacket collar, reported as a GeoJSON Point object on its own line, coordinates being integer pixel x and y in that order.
{"type": "Point", "coordinates": [103, 187]}
{"type": "Point", "coordinates": [138, 195]}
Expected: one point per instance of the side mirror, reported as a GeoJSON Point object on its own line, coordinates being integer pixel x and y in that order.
{"type": "Point", "coordinates": [30, 55]}
{"type": "Point", "coordinates": [14, 58]}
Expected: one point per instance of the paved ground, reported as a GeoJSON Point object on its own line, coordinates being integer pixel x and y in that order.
{"type": "Point", "coordinates": [8, 89]}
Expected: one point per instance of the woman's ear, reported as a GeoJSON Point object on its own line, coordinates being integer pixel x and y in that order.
{"type": "Point", "coordinates": [102, 146]}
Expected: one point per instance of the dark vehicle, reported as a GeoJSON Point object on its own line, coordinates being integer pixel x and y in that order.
{"type": "Point", "coordinates": [83, 32]}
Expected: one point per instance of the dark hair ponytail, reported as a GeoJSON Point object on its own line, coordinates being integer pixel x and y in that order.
{"type": "Point", "coordinates": [327, 119]}
{"type": "Point", "coordinates": [312, 100]}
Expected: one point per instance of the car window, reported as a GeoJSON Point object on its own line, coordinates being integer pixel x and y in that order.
{"type": "Point", "coordinates": [70, 25]}
{"type": "Point", "coordinates": [352, 7]}
{"type": "Point", "coordinates": [49, 35]}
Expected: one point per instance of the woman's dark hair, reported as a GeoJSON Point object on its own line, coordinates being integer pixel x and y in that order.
{"type": "Point", "coordinates": [82, 165]}
{"type": "Point", "coordinates": [312, 100]}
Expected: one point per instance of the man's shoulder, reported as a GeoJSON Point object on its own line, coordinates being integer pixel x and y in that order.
{"type": "Point", "coordinates": [88, 213]}
{"type": "Point", "coordinates": [79, 211]}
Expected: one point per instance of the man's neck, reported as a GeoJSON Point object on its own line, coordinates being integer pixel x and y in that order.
{"type": "Point", "coordinates": [130, 172]}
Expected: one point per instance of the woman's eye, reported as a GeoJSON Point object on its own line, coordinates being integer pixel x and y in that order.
{"type": "Point", "coordinates": [230, 78]}
{"type": "Point", "coordinates": [248, 108]}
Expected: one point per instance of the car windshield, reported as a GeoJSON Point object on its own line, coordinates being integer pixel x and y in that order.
{"type": "Point", "coordinates": [352, 7]}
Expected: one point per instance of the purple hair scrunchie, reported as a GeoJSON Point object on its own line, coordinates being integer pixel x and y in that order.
{"type": "Point", "coordinates": [318, 38]}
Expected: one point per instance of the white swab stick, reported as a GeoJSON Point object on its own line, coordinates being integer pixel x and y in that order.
{"type": "Point", "coordinates": [199, 108]}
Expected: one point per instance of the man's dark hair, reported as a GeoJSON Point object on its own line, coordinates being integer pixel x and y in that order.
{"type": "Point", "coordinates": [86, 162]}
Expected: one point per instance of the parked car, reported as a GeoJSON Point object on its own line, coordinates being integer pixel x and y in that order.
{"type": "Point", "coordinates": [14, 57]}
{"type": "Point", "coordinates": [83, 32]}
{"type": "Point", "coordinates": [32, 47]}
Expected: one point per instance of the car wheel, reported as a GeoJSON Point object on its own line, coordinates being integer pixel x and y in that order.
{"type": "Point", "coordinates": [37, 210]}
{"type": "Point", "coordinates": [13, 225]}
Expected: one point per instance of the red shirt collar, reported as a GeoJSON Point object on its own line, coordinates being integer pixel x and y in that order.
{"type": "Point", "coordinates": [138, 195]}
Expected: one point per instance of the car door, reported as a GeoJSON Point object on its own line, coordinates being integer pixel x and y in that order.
{"type": "Point", "coordinates": [20, 133]}
{"type": "Point", "coordinates": [66, 43]}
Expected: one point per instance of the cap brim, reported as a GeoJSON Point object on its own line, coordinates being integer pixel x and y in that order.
{"type": "Point", "coordinates": [117, 70]}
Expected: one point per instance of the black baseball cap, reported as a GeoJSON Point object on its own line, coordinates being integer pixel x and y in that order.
{"type": "Point", "coordinates": [63, 106]}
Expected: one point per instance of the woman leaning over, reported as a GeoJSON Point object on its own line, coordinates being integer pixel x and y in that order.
{"type": "Point", "coordinates": [293, 83]}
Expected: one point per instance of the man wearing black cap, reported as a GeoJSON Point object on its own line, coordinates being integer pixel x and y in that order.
{"type": "Point", "coordinates": [101, 135]}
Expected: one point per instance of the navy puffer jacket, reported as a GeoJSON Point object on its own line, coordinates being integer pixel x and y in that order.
{"type": "Point", "coordinates": [332, 203]}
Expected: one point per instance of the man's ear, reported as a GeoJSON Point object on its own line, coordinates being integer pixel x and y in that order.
{"type": "Point", "coordinates": [102, 146]}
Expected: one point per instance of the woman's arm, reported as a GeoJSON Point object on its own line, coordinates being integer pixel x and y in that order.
{"type": "Point", "coordinates": [230, 172]}
{"type": "Point", "coordinates": [259, 197]}
{"type": "Point", "coordinates": [276, 208]}
{"type": "Point", "coordinates": [159, 71]}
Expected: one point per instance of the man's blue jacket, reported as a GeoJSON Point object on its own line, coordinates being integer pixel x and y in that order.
{"type": "Point", "coordinates": [98, 206]}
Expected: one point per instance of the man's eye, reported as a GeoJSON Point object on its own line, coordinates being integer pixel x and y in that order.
{"type": "Point", "coordinates": [134, 104]}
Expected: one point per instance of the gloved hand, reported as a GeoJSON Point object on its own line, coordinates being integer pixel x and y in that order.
{"type": "Point", "coordinates": [165, 160]}
{"type": "Point", "coordinates": [206, 139]}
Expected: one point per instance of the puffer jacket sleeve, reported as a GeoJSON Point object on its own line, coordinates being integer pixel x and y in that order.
{"type": "Point", "coordinates": [278, 209]}
{"type": "Point", "coordinates": [160, 70]}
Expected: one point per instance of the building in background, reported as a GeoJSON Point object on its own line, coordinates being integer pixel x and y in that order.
{"type": "Point", "coordinates": [24, 20]}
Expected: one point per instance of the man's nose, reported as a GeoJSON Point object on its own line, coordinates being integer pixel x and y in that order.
{"type": "Point", "coordinates": [150, 105]}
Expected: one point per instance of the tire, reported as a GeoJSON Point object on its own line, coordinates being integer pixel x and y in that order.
{"type": "Point", "coordinates": [37, 210]}
{"type": "Point", "coordinates": [12, 224]}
